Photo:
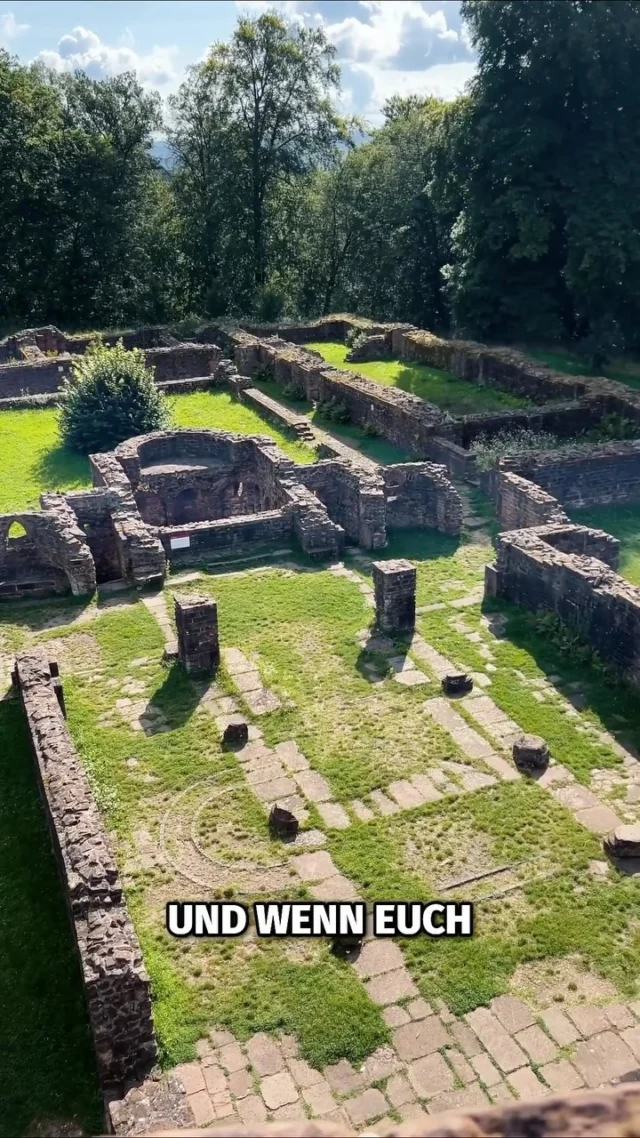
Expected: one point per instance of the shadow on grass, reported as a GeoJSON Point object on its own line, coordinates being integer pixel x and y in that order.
{"type": "Point", "coordinates": [61, 468]}
{"type": "Point", "coordinates": [177, 697]}
{"type": "Point", "coordinates": [48, 1066]}
{"type": "Point", "coordinates": [600, 690]}
{"type": "Point", "coordinates": [38, 615]}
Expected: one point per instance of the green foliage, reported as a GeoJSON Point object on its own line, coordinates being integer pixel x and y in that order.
{"type": "Point", "coordinates": [489, 449]}
{"type": "Point", "coordinates": [110, 396]}
{"type": "Point", "coordinates": [333, 410]}
{"type": "Point", "coordinates": [295, 392]}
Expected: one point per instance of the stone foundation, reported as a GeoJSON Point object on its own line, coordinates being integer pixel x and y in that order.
{"type": "Point", "coordinates": [197, 628]}
{"type": "Point", "coordinates": [561, 569]}
{"type": "Point", "coordinates": [116, 984]}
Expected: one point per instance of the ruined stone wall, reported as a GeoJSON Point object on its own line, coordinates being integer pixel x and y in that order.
{"type": "Point", "coordinates": [420, 494]}
{"type": "Point", "coordinates": [33, 377]}
{"type": "Point", "coordinates": [584, 475]}
{"type": "Point", "coordinates": [138, 549]}
{"type": "Point", "coordinates": [227, 535]}
{"type": "Point", "coordinates": [24, 572]}
{"type": "Point", "coordinates": [93, 510]}
{"type": "Point", "coordinates": [521, 504]}
{"type": "Point", "coordinates": [183, 361]}
{"type": "Point", "coordinates": [600, 606]}
{"type": "Point", "coordinates": [51, 557]}
{"type": "Point", "coordinates": [397, 416]}
{"type": "Point", "coordinates": [354, 498]}
{"type": "Point", "coordinates": [40, 374]}
{"type": "Point", "coordinates": [116, 984]}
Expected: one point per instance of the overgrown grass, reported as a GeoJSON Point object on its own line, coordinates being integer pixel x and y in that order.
{"type": "Point", "coordinates": [301, 622]}
{"type": "Point", "coordinates": [440, 387]}
{"type": "Point", "coordinates": [563, 359]}
{"type": "Point", "coordinates": [624, 523]}
{"type": "Point", "coordinates": [48, 1067]}
{"type": "Point", "coordinates": [32, 458]}
{"type": "Point", "coordinates": [561, 909]}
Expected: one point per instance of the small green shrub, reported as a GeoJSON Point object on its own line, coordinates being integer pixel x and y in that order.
{"type": "Point", "coordinates": [295, 392]}
{"type": "Point", "coordinates": [355, 337]}
{"type": "Point", "coordinates": [369, 431]}
{"type": "Point", "coordinates": [334, 411]}
{"type": "Point", "coordinates": [110, 396]}
{"type": "Point", "coordinates": [613, 427]}
{"type": "Point", "coordinates": [489, 450]}
{"type": "Point", "coordinates": [263, 375]}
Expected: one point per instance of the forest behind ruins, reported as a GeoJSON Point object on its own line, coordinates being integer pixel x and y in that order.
{"type": "Point", "coordinates": [511, 213]}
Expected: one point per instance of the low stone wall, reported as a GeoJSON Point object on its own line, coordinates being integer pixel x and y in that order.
{"type": "Point", "coordinates": [397, 416]}
{"type": "Point", "coordinates": [33, 377]}
{"type": "Point", "coordinates": [354, 498]}
{"type": "Point", "coordinates": [584, 475]}
{"type": "Point", "coordinates": [226, 535]}
{"type": "Point", "coordinates": [116, 984]}
{"type": "Point", "coordinates": [521, 504]}
{"type": "Point", "coordinates": [276, 413]}
{"type": "Point", "coordinates": [420, 494]}
{"type": "Point", "coordinates": [540, 570]}
{"type": "Point", "coordinates": [40, 374]}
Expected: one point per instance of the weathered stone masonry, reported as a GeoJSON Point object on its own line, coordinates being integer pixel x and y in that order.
{"type": "Point", "coordinates": [116, 984]}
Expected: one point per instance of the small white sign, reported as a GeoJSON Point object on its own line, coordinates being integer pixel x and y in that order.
{"type": "Point", "coordinates": [181, 541]}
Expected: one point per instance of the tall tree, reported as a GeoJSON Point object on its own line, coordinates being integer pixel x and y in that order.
{"type": "Point", "coordinates": [264, 98]}
{"type": "Point", "coordinates": [548, 241]}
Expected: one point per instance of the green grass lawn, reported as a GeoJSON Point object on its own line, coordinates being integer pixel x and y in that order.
{"type": "Point", "coordinates": [446, 390]}
{"type": "Point", "coordinates": [301, 623]}
{"type": "Point", "coordinates": [33, 460]}
{"type": "Point", "coordinates": [302, 626]}
{"type": "Point", "coordinates": [562, 359]}
{"type": "Point", "coordinates": [624, 523]}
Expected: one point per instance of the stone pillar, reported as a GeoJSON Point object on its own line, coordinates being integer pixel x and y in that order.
{"type": "Point", "coordinates": [197, 625]}
{"type": "Point", "coordinates": [395, 588]}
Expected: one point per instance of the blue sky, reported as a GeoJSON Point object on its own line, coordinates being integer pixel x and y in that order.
{"type": "Point", "coordinates": [384, 46]}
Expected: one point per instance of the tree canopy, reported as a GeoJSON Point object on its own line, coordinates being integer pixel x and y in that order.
{"type": "Point", "coordinates": [510, 213]}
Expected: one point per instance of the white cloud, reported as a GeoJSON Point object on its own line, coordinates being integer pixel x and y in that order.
{"type": "Point", "coordinates": [385, 34]}
{"type": "Point", "coordinates": [83, 50]}
{"type": "Point", "coordinates": [443, 80]}
{"type": "Point", "coordinates": [10, 28]}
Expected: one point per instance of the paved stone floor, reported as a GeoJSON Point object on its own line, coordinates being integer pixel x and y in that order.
{"type": "Point", "coordinates": [435, 1061]}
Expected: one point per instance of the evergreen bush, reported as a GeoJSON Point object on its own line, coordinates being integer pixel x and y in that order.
{"type": "Point", "coordinates": [110, 396]}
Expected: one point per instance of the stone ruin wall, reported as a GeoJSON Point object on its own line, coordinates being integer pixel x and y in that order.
{"type": "Point", "coordinates": [36, 361]}
{"type": "Point", "coordinates": [584, 475]}
{"type": "Point", "coordinates": [545, 563]}
{"type": "Point", "coordinates": [588, 596]}
{"type": "Point", "coordinates": [116, 985]}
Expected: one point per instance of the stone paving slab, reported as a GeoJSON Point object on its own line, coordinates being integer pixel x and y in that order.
{"type": "Point", "coordinates": [602, 1058]}
{"type": "Point", "coordinates": [500, 1045]}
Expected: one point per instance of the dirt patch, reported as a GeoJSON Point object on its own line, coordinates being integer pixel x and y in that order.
{"type": "Point", "coordinates": [444, 853]}
{"type": "Point", "coordinates": [563, 980]}
{"type": "Point", "coordinates": [78, 653]}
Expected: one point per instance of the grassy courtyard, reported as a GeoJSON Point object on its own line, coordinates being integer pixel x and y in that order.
{"type": "Point", "coordinates": [624, 523]}
{"type": "Point", "coordinates": [33, 460]}
{"type": "Point", "coordinates": [563, 359]}
{"type": "Point", "coordinates": [446, 390]}
{"type": "Point", "coordinates": [185, 823]}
